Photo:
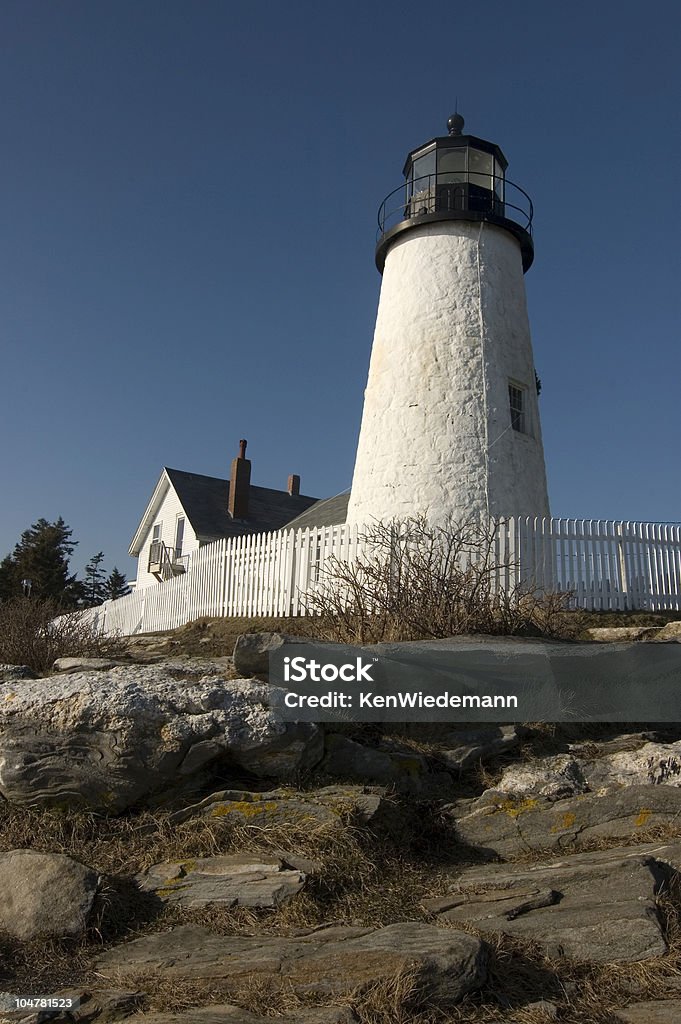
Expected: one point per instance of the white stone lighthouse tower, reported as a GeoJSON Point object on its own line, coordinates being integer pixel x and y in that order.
{"type": "Point", "coordinates": [451, 418]}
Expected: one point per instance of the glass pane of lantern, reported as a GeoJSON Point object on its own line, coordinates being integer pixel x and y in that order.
{"type": "Point", "coordinates": [451, 166]}
{"type": "Point", "coordinates": [424, 170]}
{"type": "Point", "coordinates": [499, 180]}
{"type": "Point", "coordinates": [424, 166]}
{"type": "Point", "coordinates": [480, 168]}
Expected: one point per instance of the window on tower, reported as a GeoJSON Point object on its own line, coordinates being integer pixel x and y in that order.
{"type": "Point", "coordinates": [516, 398]}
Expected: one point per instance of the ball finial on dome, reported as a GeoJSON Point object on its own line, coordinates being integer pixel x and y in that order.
{"type": "Point", "coordinates": [455, 124]}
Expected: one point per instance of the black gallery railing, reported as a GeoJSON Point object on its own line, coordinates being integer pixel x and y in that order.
{"type": "Point", "coordinates": [472, 192]}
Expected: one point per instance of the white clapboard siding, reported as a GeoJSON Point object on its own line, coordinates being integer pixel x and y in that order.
{"type": "Point", "coordinates": [601, 564]}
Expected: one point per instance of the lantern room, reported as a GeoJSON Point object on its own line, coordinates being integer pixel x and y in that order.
{"type": "Point", "coordinates": [456, 177]}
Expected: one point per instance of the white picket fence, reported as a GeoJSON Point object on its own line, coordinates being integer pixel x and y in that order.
{"type": "Point", "coordinates": [604, 564]}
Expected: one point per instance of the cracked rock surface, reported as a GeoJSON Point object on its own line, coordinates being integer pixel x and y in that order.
{"type": "Point", "coordinates": [329, 962]}
{"type": "Point", "coordinates": [233, 880]}
{"type": "Point", "coordinates": [500, 825]}
{"type": "Point", "coordinates": [287, 806]}
{"type": "Point", "coordinates": [599, 907]}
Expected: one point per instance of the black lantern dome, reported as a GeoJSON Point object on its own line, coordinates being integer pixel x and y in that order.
{"type": "Point", "coordinates": [456, 177]}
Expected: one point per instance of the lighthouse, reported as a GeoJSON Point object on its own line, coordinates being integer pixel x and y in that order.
{"type": "Point", "coordinates": [450, 425]}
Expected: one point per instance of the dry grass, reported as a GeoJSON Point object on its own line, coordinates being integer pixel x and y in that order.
{"type": "Point", "coordinates": [393, 1000]}
{"type": "Point", "coordinates": [213, 637]}
{"type": "Point", "coordinates": [34, 632]}
{"type": "Point", "coordinates": [110, 845]}
{"type": "Point", "coordinates": [600, 620]}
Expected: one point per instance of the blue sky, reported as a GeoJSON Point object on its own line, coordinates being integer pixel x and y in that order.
{"type": "Point", "coordinates": [189, 197]}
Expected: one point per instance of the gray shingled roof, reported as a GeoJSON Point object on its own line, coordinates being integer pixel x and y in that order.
{"type": "Point", "coordinates": [327, 512]}
{"type": "Point", "coordinates": [205, 499]}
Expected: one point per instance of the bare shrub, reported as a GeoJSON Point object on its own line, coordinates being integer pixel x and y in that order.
{"type": "Point", "coordinates": [417, 580]}
{"type": "Point", "coordinates": [34, 633]}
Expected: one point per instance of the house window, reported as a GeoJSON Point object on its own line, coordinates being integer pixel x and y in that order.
{"type": "Point", "coordinates": [516, 399]}
{"type": "Point", "coordinates": [155, 545]}
{"type": "Point", "coordinates": [179, 537]}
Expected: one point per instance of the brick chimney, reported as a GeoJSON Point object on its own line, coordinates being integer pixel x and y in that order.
{"type": "Point", "coordinates": [240, 484]}
{"type": "Point", "coordinates": [294, 484]}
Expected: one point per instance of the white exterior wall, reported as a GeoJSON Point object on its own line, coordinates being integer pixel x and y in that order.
{"type": "Point", "coordinates": [169, 511]}
{"type": "Point", "coordinates": [451, 333]}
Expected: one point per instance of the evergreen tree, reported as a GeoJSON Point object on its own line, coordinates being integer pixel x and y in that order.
{"type": "Point", "coordinates": [115, 585]}
{"type": "Point", "coordinates": [94, 583]}
{"type": "Point", "coordinates": [9, 579]}
{"type": "Point", "coordinates": [42, 556]}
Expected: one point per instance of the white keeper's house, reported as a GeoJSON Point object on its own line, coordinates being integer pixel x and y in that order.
{"type": "Point", "coordinates": [189, 510]}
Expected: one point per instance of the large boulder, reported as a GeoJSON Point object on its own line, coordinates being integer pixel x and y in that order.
{"type": "Point", "coordinates": [45, 895]}
{"type": "Point", "coordinates": [330, 962]}
{"type": "Point", "coordinates": [108, 740]}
